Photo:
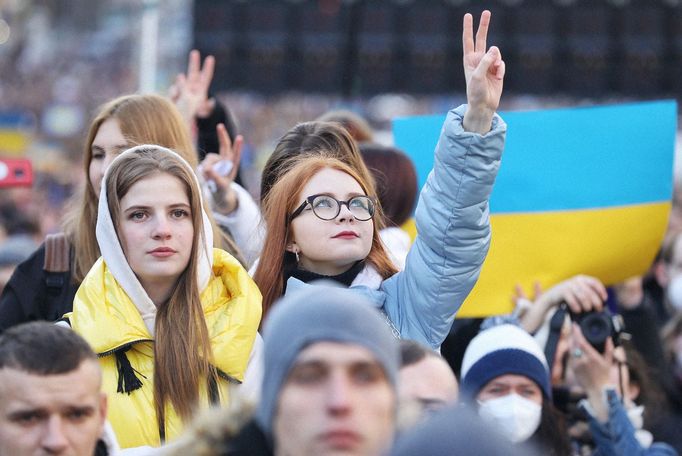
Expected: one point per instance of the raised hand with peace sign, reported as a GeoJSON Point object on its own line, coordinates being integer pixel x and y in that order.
{"type": "Point", "coordinates": [484, 73]}
{"type": "Point", "coordinates": [220, 170]}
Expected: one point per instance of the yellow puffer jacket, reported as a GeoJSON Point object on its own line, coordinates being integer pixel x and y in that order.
{"type": "Point", "coordinates": [106, 317]}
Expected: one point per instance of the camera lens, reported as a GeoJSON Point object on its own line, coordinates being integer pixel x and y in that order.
{"type": "Point", "coordinates": [596, 328]}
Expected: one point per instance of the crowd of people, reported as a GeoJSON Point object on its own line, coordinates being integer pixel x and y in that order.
{"type": "Point", "coordinates": [174, 314]}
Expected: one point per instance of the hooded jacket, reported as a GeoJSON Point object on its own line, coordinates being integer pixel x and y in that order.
{"type": "Point", "coordinates": [115, 315]}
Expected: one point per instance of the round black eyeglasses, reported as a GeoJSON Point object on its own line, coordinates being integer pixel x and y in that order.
{"type": "Point", "coordinates": [327, 207]}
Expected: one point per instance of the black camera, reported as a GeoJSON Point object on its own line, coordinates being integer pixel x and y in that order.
{"type": "Point", "coordinates": [599, 326]}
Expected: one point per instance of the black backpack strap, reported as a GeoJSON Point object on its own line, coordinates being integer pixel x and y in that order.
{"type": "Point", "coordinates": [57, 261]}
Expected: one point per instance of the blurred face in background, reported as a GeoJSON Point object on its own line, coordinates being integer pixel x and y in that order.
{"type": "Point", "coordinates": [511, 384]}
{"type": "Point", "coordinates": [430, 382]}
{"type": "Point", "coordinates": [108, 143]}
{"type": "Point", "coordinates": [337, 399]}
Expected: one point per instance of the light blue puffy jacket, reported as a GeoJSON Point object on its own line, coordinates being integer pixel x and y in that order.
{"type": "Point", "coordinates": [453, 237]}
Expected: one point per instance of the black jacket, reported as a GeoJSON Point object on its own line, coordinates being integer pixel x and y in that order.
{"type": "Point", "coordinates": [34, 294]}
{"type": "Point", "coordinates": [250, 441]}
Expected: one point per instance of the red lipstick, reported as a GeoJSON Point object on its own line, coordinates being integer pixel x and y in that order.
{"type": "Point", "coordinates": [346, 235]}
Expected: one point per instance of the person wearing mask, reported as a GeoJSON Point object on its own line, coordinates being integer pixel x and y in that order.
{"type": "Point", "coordinates": [173, 321]}
{"type": "Point", "coordinates": [505, 376]}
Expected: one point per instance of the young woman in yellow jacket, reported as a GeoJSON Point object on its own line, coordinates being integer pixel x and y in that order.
{"type": "Point", "coordinates": [173, 320]}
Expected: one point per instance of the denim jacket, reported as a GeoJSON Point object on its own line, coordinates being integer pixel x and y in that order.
{"type": "Point", "coordinates": [617, 436]}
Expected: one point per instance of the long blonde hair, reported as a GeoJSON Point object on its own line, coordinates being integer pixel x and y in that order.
{"type": "Point", "coordinates": [182, 349]}
{"type": "Point", "coordinates": [280, 202]}
{"type": "Point", "coordinates": [143, 119]}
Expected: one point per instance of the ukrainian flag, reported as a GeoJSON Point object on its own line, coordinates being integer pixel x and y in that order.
{"type": "Point", "coordinates": [580, 191]}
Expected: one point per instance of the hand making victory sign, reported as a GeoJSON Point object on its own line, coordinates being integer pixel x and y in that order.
{"type": "Point", "coordinates": [215, 168]}
{"type": "Point", "coordinates": [189, 92]}
{"type": "Point", "coordinates": [484, 74]}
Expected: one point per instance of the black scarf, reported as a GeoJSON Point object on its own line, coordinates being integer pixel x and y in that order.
{"type": "Point", "coordinates": [345, 278]}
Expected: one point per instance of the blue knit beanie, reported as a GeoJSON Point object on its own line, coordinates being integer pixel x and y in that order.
{"type": "Point", "coordinates": [500, 350]}
{"type": "Point", "coordinates": [319, 313]}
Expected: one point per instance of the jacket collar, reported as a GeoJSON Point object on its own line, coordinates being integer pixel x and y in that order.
{"type": "Point", "coordinates": [368, 281]}
{"type": "Point", "coordinates": [106, 317]}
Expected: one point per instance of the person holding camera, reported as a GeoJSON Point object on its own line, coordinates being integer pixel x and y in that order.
{"type": "Point", "coordinates": [580, 338]}
{"type": "Point", "coordinates": [615, 423]}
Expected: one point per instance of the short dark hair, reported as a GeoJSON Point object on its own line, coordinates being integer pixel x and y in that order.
{"type": "Point", "coordinates": [43, 348]}
{"type": "Point", "coordinates": [412, 352]}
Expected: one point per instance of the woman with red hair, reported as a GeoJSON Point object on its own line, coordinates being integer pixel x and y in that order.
{"type": "Point", "coordinates": [323, 218]}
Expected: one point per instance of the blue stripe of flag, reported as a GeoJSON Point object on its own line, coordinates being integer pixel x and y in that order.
{"type": "Point", "coordinates": [570, 159]}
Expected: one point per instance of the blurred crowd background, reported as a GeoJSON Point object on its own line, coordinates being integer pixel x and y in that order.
{"type": "Point", "coordinates": [280, 62]}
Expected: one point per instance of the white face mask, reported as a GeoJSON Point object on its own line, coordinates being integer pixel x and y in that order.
{"type": "Point", "coordinates": [516, 417]}
{"type": "Point", "coordinates": [674, 292]}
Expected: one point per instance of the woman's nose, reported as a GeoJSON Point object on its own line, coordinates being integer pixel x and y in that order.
{"type": "Point", "coordinates": [162, 228]}
{"type": "Point", "coordinates": [345, 213]}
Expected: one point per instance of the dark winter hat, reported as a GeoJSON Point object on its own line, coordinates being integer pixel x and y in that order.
{"type": "Point", "coordinates": [319, 313]}
{"type": "Point", "coordinates": [500, 350]}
